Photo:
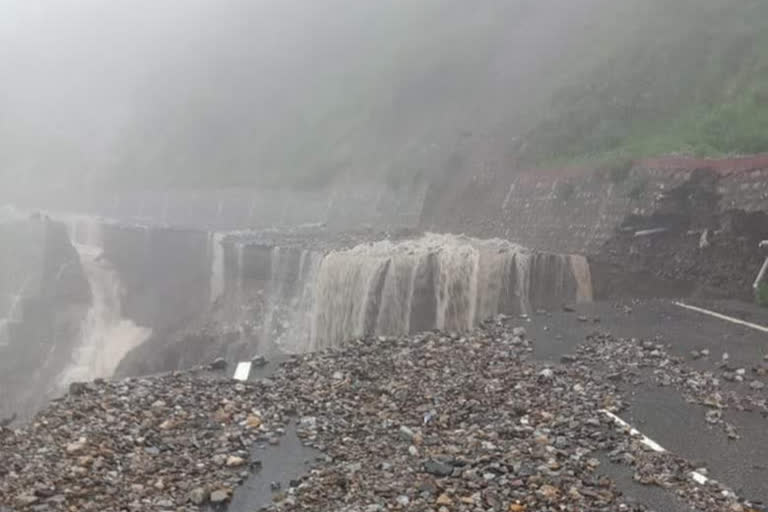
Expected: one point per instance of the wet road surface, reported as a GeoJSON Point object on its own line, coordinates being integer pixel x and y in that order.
{"type": "Point", "coordinates": [661, 413]}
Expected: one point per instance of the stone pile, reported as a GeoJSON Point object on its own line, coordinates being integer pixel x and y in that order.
{"type": "Point", "coordinates": [444, 423]}
{"type": "Point", "coordinates": [165, 443]}
{"type": "Point", "coordinates": [719, 390]}
{"type": "Point", "coordinates": [431, 422]}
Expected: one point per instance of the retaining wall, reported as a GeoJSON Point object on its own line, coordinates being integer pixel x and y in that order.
{"type": "Point", "coordinates": [580, 209]}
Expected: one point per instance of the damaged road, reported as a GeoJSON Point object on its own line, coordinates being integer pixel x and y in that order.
{"type": "Point", "coordinates": [435, 421]}
{"type": "Point", "coordinates": [699, 387]}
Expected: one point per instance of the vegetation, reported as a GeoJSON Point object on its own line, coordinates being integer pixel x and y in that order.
{"type": "Point", "coordinates": [690, 79]}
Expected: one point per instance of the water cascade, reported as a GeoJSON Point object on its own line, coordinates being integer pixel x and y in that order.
{"type": "Point", "coordinates": [105, 336]}
{"type": "Point", "coordinates": [303, 300]}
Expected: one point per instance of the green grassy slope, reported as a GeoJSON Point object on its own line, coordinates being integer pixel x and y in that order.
{"type": "Point", "coordinates": [691, 77]}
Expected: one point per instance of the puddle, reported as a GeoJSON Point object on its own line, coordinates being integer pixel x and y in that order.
{"type": "Point", "coordinates": [282, 463]}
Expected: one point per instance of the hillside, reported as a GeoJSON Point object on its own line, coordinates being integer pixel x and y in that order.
{"type": "Point", "coordinates": [523, 83]}
{"type": "Point", "coordinates": [257, 93]}
{"type": "Point", "coordinates": [691, 79]}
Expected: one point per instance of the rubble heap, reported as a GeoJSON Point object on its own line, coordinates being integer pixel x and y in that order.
{"type": "Point", "coordinates": [434, 422]}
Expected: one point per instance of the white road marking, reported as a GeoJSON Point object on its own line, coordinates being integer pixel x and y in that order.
{"type": "Point", "coordinates": [722, 317]}
{"type": "Point", "coordinates": [650, 443]}
{"type": "Point", "coordinates": [242, 371]}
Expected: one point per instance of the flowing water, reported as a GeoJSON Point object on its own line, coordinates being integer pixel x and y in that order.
{"type": "Point", "coordinates": [311, 300]}
{"type": "Point", "coordinates": [105, 336]}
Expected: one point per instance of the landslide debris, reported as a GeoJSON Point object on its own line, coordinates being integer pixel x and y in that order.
{"type": "Point", "coordinates": [434, 422]}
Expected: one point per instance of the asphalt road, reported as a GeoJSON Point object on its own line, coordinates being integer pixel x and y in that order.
{"type": "Point", "coordinates": [661, 413]}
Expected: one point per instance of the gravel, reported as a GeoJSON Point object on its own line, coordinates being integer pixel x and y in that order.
{"type": "Point", "coordinates": [435, 422]}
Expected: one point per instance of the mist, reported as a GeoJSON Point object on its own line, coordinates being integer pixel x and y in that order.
{"type": "Point", "coordinates": [201, 93]}
{"type": "Point", "coordinates": [383, 254]}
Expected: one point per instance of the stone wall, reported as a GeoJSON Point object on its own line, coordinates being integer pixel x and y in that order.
{"type": "Point", "coordinates": [580, 209]}
{"type": "Point", "coordinates": [600, 213]}
{"type": "Point", "coordinates": [341, 206]}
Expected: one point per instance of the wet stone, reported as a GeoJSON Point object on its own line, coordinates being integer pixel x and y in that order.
{"type": "Point", "coordinates": [438, 468]}
{"type": "Point", "coordinates": [219, 364]}
{"type": "Point", "coordinates": [461, 422]}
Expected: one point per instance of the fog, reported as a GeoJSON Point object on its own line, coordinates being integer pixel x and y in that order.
{"type": "Point", "coordinates": [188, 93]}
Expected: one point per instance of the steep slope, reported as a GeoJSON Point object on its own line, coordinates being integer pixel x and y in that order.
{"type": "Point", "coordinates": [690, 76]}
{"type": "Point", "coordinates": [211, 94]}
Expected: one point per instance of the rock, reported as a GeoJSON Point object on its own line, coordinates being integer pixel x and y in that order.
{"type": "Point", "coordinates": [520, 332]}
{"type": "Point", "coordinates": [233, 461]}
{"type": "Point", "coordinates": [704, 352]}
{"type": "Point", "coordinates": [756, 384]}
{"type": "Point", "coordinates": [259, 361]}
{"type": "Point", "coordinates": [219, 364]}
{"type": "Point", "coordinates": [406, 433]}
{"type": "Point", "coordinates": [77, 446]}
{"type": "Point", "coordinates": [546, 374]}
{"type": "Point", "coordinates": [77, 388]}
{"type": "Point", "coordinates": [26, 500]}
{"type": "Point", "coordinates": [582, 318]}
{"type": "Point", "coordinates": [308, 422]}
{"type": "Point", "coordinates": [438, 468]}
{"type": "Point", "coordinates": [548, 492]}
{"type": "Point", "coordinates": [444, 499]}
{"type": "Point", "coordinates": [219, 496]}
{"type": "Point", "coordinates": [253, 421]}
{"type": "Point", "coordinates": [568, 308]}
{"type": "Point", "coordinates": [197, 496]}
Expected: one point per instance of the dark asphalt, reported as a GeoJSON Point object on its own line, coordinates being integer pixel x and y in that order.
{"type": "Point", "coordinates": [661, 413]}
{"type": "Point", "coordinates": [281, 464]}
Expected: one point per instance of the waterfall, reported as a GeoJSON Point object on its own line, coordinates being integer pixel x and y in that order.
{"type": "Point", "coordinates": [105, 337]}
{"type": "Point", "coordinates": [312, 300]}
{"type": "Point", "coordinates": [12, 314]}
{"type": "Point", "coordinates": [217, 267]}
{"type": "Point", "coordinates": [583, 277]}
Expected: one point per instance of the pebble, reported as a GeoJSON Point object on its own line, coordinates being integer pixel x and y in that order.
{"type": "Point", "coordinates": [426, 422]}
{"type": "Point", "coordinates": [234, 461]}
{"type": "Point", "coordinates": [198, 496]}
{"type": "Point", "coordinates": [219, 496]}
{"type": "Point", "coordinates": [438, 468]}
